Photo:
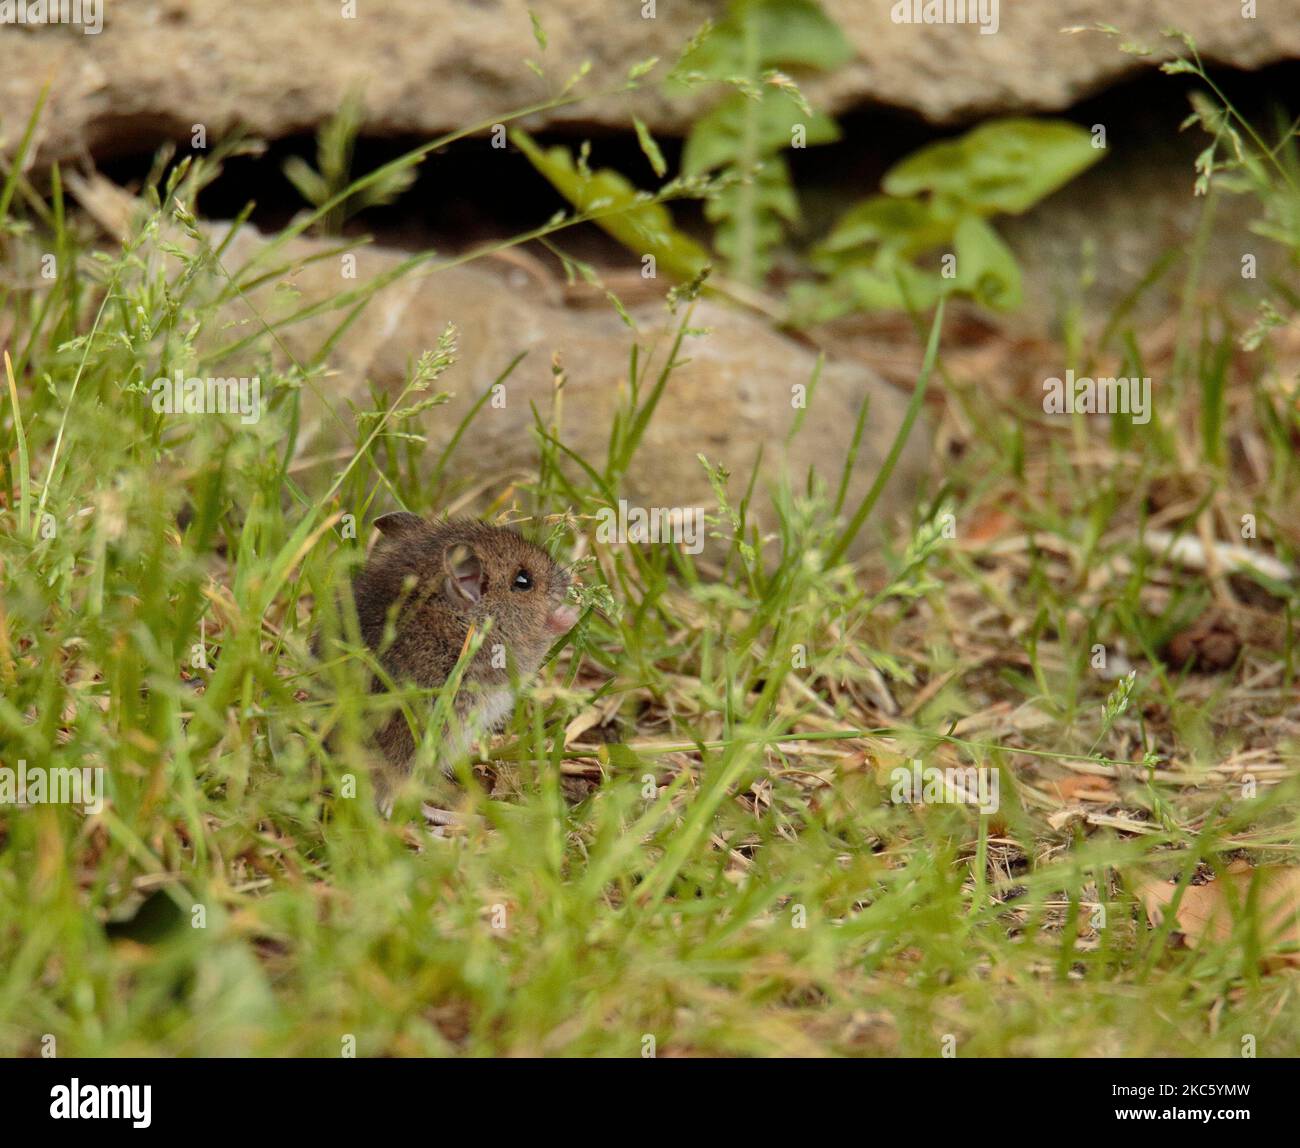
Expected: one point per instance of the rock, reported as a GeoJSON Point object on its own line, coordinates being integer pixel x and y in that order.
{"type": "Point", "coordinates": [949, 73]}
{"type": "Point", "coordinates": [730, 398]}
{"type": "Point", "coordinates": [1131, 210]}
{"type": "Point", "coordinates": [159, 67]}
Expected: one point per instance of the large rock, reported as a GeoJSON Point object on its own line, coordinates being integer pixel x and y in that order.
{"type": "Point", "coordinates": [280, 67]}
{"type": "Point", "coordinates": [732, 396]}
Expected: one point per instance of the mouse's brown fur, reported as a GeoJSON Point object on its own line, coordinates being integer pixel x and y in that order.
{"type": "Point", "coordinates": [450, 576]}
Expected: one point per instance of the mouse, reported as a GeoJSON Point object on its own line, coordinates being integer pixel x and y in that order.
{"type": "Point", "coordinates": [444, 577]}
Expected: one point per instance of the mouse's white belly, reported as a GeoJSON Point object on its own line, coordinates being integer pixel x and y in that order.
{"type": "Point", "coordinates": [490, 713]}
{"type": "Point", "coordinates": [485, 715]}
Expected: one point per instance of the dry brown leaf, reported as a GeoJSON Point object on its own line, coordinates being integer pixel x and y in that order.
{"type": "Point", "coordinates": [1083, 787]}
{"type": "Point", "coordinates": [1206, 911]}
{"type": "Point", "coordinates": [1064, 817]}
{"type": "Point", "coordinates": [587, 719]}
{"type": "Point", "coordinates": [987, 524]}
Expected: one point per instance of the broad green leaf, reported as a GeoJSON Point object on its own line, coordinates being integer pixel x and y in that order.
{"type": "Point", "coordinates": [789, 34]}
{"type": "Point", "coordinates": [894, 284]}
{"type": "Point", "coordinates": [866, 283]}
{"type": "Point", "coordinates": [718, 138]}
{"type": "Point", "coordinates": [1003, 166]}
{"type": "Point", "coordinates": [814, 303]}
{"type": "Point", "coordinates": [910, 225]}
{"type": "Point", "coordinates": [986, 269]}
{"type": "Point", "coordinates": [630, 216]}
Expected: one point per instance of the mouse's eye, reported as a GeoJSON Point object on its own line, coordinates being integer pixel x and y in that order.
{"type": "Point", "coordinates": [523, 581]}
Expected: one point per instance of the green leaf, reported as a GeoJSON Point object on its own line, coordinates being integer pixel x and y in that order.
{"type": "Point", "coordinates": [641, 224]}
{"type": "Point", "coordinates": [642, 68]}
{"type": "Point", "coordinates": [790, 33]}
{"type": "Point", "coordinates": [650, 148]}
{"type": "Point", "coordinates": [749, 211]}
{"type": "Point", "coordinates": [986, 269]}
{"type": "Point", "coordinates": [909, 225]}
{"type": "Point", "coordinates": [879, 282]}
{"type": "Point", "coordinates": [717, 139]}
{"type": "Point", "coordinates": [384, 190]}
{"type": "Point", "coordinates": [763, 116]}
{"type": "Point", "coordinates": [538, 33]}
{"type": "Point", "coordinates": [306, 181]}
{"type": "Point", "coordinates": [1003, 166]}
{"type": "Point", "coordinates": [773, 193]}
{"type": "Point", "coordinates": [811, 304]}
{"type": "Point", "coordinates": [895, 285]}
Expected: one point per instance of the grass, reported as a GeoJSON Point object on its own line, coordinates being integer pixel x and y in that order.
{"type": "Point", "coordinates": [685, 841]}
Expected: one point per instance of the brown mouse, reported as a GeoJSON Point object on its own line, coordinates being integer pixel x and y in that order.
{"type": "Point", "coordinates": [449, 576]}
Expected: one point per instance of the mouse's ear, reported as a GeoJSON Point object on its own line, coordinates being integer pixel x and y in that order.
{"type": "Point", "coordinates": [398, 522]}
{"type": "Point", "coordinates": [466, 580]}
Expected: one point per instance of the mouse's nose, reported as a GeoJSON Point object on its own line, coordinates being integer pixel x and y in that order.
{"type": "Point", "coordinates": [562, 619]}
